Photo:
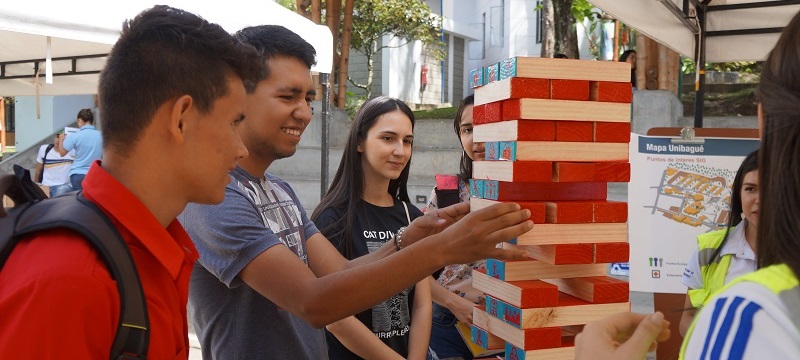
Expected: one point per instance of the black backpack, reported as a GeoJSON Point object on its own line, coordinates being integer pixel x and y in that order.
{"type": "Point", "coordinates": [33, 212]}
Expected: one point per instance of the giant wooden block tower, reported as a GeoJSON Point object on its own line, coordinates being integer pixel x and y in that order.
{"type": "Point", "coordinates": [556, 132]}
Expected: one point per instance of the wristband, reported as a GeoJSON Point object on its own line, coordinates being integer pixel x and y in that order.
{"type": "Point", "coordinates": [398, 238]}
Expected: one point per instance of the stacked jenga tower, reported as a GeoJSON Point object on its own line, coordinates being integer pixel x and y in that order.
{"type": "Point", "coordinates": [556, 132]}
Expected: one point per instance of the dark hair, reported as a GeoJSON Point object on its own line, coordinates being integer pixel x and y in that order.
{"type": "Point", "coordinates": [162, 54]}
{"type": "Point", "coordinates": [779, 201]}
{"type": "Point", "coordinates": [348, 184]}
{"type": "Point", "coordinates": [560, 56]}
{"type": "Point", "coordinates": [465, 166]}
{"type": "Point", "coordinates": [750, 163]}
{"type": "Point", "coordinates": [86, 115]}
{"type": "Point", "coordinates": [275, 40]}
{"type": "Point", "coordinates": [624, 57]}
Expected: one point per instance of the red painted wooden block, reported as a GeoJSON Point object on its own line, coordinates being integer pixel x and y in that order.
{"type": "Point", "coordinates": [511, 110]}
{"type": "Point", "coordinates": [538, 210]}
{"type": "Point", "coordinates": [569, 90]}
{"type": "Point", "coordinates": [573, 172]}
{"type": "Point", "coordinates": [610, 212]}
{"type": "Point", "coordinates": [523, 294]}
{"type": "Point", "coordinates": [608, 91]}
{"type": "Point", "coordinates": [576, 131]}
{"type": "Point", "coordinates": [611, 252]}
{"type": "Point", "coordinates": [612, 172]}
{"type": "Point", "coordinates": [493, 112]}
{"type": "Point", "coordinates": [561, 254]}
{"type": "Point", "coordinates": [529, 88]}
{"type": "Point", "coordinates": [612, 132]}
{"type": "Point", "coordinates": [569, 212]}
{"type": "Point", "coordinates": [542, 338]}
{"type": "Point", "coordinates": [594, 289]}
{"type": "Point", "coordinates": [518, 191]}
{"type": "Point", "coordinates": [479, 114]}
{"type": "Point", "coordinates": [536, 130]}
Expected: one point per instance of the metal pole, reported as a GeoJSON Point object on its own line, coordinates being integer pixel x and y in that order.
{"type": "Point", "coordinates": [700, 58]}
{"type": "Point", "coordinates": [326, 134]}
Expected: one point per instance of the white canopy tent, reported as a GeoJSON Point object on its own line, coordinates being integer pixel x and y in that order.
{"type": "Point", "coordinates": [707, 31]}
{"type": "Point", "coordinates": [81, 32]}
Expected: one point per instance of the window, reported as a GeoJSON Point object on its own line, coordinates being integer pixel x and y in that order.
{"type": "Point", "coordinates": [539, 22]}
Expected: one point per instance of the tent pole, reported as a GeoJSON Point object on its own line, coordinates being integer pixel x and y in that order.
{"type": "Point", "coordinates": [700, 62]}
{"type": "Point", "coordinates": [326, 135]}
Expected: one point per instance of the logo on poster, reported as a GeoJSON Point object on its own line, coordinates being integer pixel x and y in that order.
{"type": "Point", "coordinates": [655, 274]}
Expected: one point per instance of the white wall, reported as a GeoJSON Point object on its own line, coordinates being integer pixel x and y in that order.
{"type": "Point", "coordinates": [55, 113]}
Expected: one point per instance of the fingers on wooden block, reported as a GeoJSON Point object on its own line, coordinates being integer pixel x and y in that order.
{"type": "Point", "coordinates": [577, 131]}
{"type": "Point", "coordinates": [612, 132]}
{"type": "Point", "coordinates": [569, 90]}
{"type": "Point", "coordinates": [608, 91]}
{"type": "Point", "coordinates": [537, 209]}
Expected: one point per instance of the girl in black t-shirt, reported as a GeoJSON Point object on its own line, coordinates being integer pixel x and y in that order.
{"type": "Point", "coordinates": [364, 207]}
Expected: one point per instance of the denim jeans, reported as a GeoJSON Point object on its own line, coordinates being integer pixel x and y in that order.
{"type": "Point", "coordinates": [56, 190]}
{"type": "Point", "coordinates": [76, 180]}
{"type": "Point", "coordinates": [446, 342]}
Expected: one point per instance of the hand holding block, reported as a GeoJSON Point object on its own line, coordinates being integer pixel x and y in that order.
{"type": "Point", "coordinates": [539, 191]}
{"type": "Point", "coordinates": [535, 270]}
{"type": "Point", "coordinates": [595, 289]}
{"type": "Point", "coordinates": [528, 339]}
{"type": "Point", "coordinates": [524, 294]}
{"type": "Point", "coordinates": [570, 311]}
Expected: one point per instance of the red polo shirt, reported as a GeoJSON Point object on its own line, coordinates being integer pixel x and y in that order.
{"type": "Point", "coordinates": [58, 301]}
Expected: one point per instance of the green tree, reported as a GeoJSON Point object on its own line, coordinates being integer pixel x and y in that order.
{"type": "Point", "coordinates": [558, 29]}
{"type": "Point", "coordinates": [406, 19]}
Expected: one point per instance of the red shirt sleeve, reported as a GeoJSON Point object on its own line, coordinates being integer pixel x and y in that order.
{"type": "Point", "coordinates": [57, 299]}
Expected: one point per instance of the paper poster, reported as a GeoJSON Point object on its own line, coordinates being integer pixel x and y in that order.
{"type": "Point", "coordinates": [677, 192]}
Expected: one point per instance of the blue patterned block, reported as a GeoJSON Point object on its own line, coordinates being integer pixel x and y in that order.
{"type": "Point", "coordinates": [492, 73]}
{"type": "Point", "coordinates": [492, 150]}
{"type": "Point", "coordinates": [507, 150]}
{"type": "Point", "coordinates": [476, 187]}
{"type": "Point", "coordinates": [508, 68]}
{"type": "Point", "coordinates": [491, 190]}
{"type": "Point", "coordinates": [476, 78]}
{"type": "Point", "coordinates": [479, 336]}
{"type": "Point", "coordinates": [514, 353]}
{"type": "Point", "coordinates": [496, 269]}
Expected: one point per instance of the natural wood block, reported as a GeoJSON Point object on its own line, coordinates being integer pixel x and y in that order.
{"type": "Point", "coordinates": [547, 234]}
{"type": "Point", "coordinates": [520, 191]}
{"type": "Point", "coordinates": [550, 68]}
{"type": "Point", "coordinates": [579, 131]}
{"type": "Point", "coordinates": [571, 110]}
{"type": "Point", "coordinates": [511, 130]}
{"type": "Point", "coordinates": [537, 209]}
{"type": "Point", "coordinates": [610, 211]}
{"type": "Point", "coordinates": [485, 339]}
{"type": "Point", "coordinates": [612, 172]}
{"type": "Point", "coordinates": [492, 112]}
{"type": "Point", "coordinates": [513, 88]}
{"type": "Point", "coordinates": [569, 89]}
{"type": "Point", "coordinates": [517, 171]}
{"type": "Point", "coordinates": [564, 352]}
{"type": "Point", "coordinates": [556, 151]}
{"type": "Point", "coordinates": [559, 254]}
{"type": "Point", "coordinates": [611, 132]}
{"type": "Point", "coordinates": [528, 339]}
{"type": "Point", "coordinates": [524, 294]}
{"type": "Point", "coordinates": [612, 252]}
{"type": "Point", "coordinates": [595, 289]}
{"type": "Point", "coordinates": [611, 91]}
{"type": "Point", "coordinates": [569, 311]}
{"type": "Point", "coordinates": [535, 270]}
{"type": "Point", "coordinates": [569, 212]}
{"type": "Point", "coordinates": [573, 172]}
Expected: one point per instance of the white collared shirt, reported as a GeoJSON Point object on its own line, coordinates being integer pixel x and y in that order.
{"type": "Point", "coordinates": [743, 260]}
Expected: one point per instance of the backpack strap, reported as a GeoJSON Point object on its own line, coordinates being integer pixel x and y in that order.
{"type": "Point", "coordinates": [44, 163]}
{"type": "Point", "coordinates": [78, 214]}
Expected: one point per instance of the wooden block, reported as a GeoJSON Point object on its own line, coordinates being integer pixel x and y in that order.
{"type": "Point", "coordinates": [612, 252]}
{"type": "Point", "coordinates": [571, 110]}
{"type": "Point", "coordinates": [517, 171]}
{"type": "Point", "coordinates": [476, 78]}
{"type": "Point", "coordinates": [611, 132]}
{"type": "Point", "coordinates": [595, 289]}
{"type": "Point", "coordinates": [550, 68]}
{"type": "Point", "coordinates": [578, 131]}
{"type": "Point", "coordinates": [570, 311]}
{"type": "Point", "coordinates": [547, 234]}
{"type": "Point", "coordinates": [520, 191]}
{"type": "Point", "coordinates": [564, 352]}
{"type": "Point", "coordinates": [492, 112]}
{"type": "Point", "coordinates": [535, 270]}
{"type": "Point", "coordinates": [573, 172]}
{"type": "Point", "coordinates": [559, 254]}
{"type": "Point", "coordinates": [524, 294]}
{"type": "Point", "coordinates": [611, 91]}
{"type": "Point", "coordinates": [476, 187]}
{"type": "Point", "coordinates": [528, 339]}
{"type": "Point", "coordinates": [446, 182]}
{"type": "Point", "coordinates": [610, 211]}
{"type": "Point", "coordinates": [484, 339]}
{"type": "Point", "coordinates": [478, 114]}
{"type": "Point", "coordinates": [569, 212]}
{"type": "Point", "coordinates": [612, 172]}
{"type": "Point", "coordinates": [537, 209]}
{"type": "Point", "coordinates": [556, 151]}
{"type": "Point", "coordinates": [491, 74]}
{"type": "Point", "coordinates": [510, 130]}
{"type": "Point", "coordinates": [569, 90]}
{"type": "Point", "coordinates": [514, 88]}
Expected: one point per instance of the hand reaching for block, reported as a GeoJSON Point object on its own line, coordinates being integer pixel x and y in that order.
{"type": "Point", "coordinates": [623, 336]}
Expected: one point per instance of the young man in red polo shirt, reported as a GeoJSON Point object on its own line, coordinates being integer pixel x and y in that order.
{"type": "Point", "coordinates": [171, 96]}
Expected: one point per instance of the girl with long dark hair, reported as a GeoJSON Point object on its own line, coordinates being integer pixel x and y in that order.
{"type": "Point", "coordinates": [365, 206]}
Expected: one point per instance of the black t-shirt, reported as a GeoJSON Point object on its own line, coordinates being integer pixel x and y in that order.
{"type": "Point", "coordinates": [373, 227]}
